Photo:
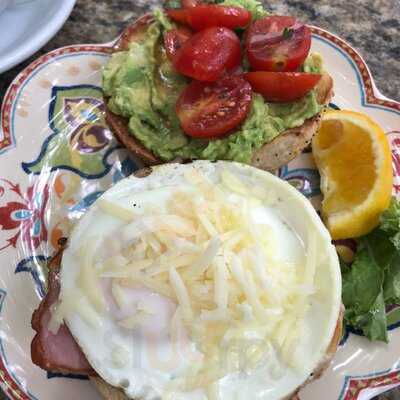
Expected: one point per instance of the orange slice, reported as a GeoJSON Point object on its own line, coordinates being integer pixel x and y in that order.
{"type": "Point", "coordinates": [354, 160]}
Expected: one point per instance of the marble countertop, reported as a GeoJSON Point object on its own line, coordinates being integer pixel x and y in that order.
{"type": "Point", "coordinates": [371, 26]}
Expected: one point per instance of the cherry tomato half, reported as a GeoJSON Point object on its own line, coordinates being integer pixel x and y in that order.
{"type": "Point", "coordinates": [208, 54]}
{"type": "Point", "coordinates": [205, 16]}
{"type": "Point", "coordinates": [282, 87]}
{"type": "Point", "coordinates": [277, 43]}
{"type": "Point", "coordinates": [174, 40]}
{"type": "Point", "coordinates": [209, 110]}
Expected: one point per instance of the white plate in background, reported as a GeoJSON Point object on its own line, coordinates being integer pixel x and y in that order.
{"type": "Point", "coordinates": [27, 26]}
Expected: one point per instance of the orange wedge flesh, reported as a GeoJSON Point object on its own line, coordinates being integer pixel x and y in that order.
{"type": "Point", "coordinates": [354, 160]}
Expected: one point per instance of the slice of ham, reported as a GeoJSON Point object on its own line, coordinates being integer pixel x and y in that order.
{"type": "Point", "coordinates": [56, 352]}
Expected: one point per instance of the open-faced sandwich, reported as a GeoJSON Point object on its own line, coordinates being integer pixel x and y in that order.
{"type": "Point", "coordinates": [194, 281]}
{"type": "Point", "coordinates": [213, 279]}
{"type": "Point", "coordinates": [216, 80]}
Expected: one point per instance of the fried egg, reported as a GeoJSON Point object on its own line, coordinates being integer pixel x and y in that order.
{"type": "Point", "coordinates": [201, 281]}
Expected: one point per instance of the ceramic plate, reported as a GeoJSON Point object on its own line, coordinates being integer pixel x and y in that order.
{"type": "Point", "coordinates": [57, 156]}
{"type": "Point", "coordinates": [26, 26]}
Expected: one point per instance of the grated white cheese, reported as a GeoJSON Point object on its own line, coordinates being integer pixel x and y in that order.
{"type": "Point", "coordinates": [181, 293]}
{"type": "Point", "coordinates": [208, 226]}
{"type": "Point", "coordinates": [233, 183]}
{"type": "Point", "coordinates": [115, 210]}
{"type": "Point", "coordinates": [118, 294]}
{"type": "Point", "coordinates": [216, 315]}
{"type": "Point", "coordinates": [179, 261]}
{"type": "Point", "coordinates": [246, 281]}
{"type": "Point", "coordinates": [221, 284]}
{"type": "Point", "coordinates": [209, 256]}
{"type": "Point", "coordinates": [205, 260]}
{"type": "Point", "coordinates": [174, 326]}
{"type": "Point", "coordinates": [134, 320]}
{"type": "Point", "coordinates": [114, 262]}
{"type": "Point", "coordinates": [87, 313]}
{"type": "Point", "coordinates": [154, 243]}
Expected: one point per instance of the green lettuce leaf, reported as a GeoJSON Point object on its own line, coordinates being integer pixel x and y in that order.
{"type": "Point", "coordinates": [373, 280]}
{"type": "Point", "coordinates": [380, 249]}
{"type": "Point", "coordinates": [390, 222]}
{"type": "Point", "coordinates": [375, 327]}
{"type": "Point", "coordinates": [363, 295]}
{"type": "Point", "coordinates": [362, 284]}
{"type": "Point", "coordinates": [390, 219]}
{"type": "Point", "coordinates": [391, 285]}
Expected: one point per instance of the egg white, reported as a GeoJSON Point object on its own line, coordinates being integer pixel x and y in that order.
{"type": "Point", "coordinates": [144, 361]}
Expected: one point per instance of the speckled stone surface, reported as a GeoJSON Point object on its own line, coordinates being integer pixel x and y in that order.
{"type": "Point", "coordinates": [371, 26]}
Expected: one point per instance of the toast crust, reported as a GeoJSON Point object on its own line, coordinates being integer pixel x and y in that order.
{"type": "Point", "coordinates": [119, 127]}
{"type": "Point", "coordinates": [290, 143]}
{"type": "Point", "coordinates": [284, 148]}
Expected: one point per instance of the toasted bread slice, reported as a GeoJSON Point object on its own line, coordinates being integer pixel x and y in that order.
{"type": "Point", "coordinates": [290, 143]}
{"type": "Point", "coordinates": [272, 155]}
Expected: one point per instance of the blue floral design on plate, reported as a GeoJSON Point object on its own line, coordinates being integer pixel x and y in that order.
{"type": "Point", "coordinates": [81, 141]}
{"type": "Point", "coordinates": [305, 180]}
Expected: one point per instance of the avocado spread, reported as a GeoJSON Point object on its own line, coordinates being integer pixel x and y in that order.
{"type": "Point", "coordinates": [143, 86]}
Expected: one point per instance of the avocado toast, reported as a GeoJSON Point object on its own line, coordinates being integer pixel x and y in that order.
{"type": "Point", "coordinates": [141, 89]}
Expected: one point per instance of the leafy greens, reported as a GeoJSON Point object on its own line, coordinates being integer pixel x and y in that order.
{"type": "Point", "coordinates": [373, 280]}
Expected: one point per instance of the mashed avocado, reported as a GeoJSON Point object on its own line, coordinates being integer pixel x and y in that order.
{"type": "Point", "coordinates": [143, 87]}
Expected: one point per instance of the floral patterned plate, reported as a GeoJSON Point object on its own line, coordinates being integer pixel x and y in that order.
{"type": "Point", "coordinates": [57, 156]}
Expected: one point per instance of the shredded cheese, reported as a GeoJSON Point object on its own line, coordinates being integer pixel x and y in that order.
{"type": "Point", "coordinates": [221, 284]}
{"type": "Point", "coordinates": [87, 313]}
{"type": "Point", "coordinates": [174, 326]}
{"type": "Point", "coordinates": [215, 262]}
{"type": "Point", "coordinates": [205, 260]}
{"type": "Point", "coordinates": [178, 261]}
{"type": "Point", "coordinates": [181, 293]}
{"type": "Point", "coordinates": [208, 226]}
{"type": "Point", "coordinates": [115, 262]}
{"type": "Point", "coordinates": [233, 183]}
{"type": "Point", "coordinates": [154, 243]}
{"type": "Point", "coordinates": [118, 294]}
{"type": "Point", "coordinates": [134, 320]}
{"type": "Point", "coordinates": [115, 210]}
{"type": "Point", "coordinates": [216, 315]}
